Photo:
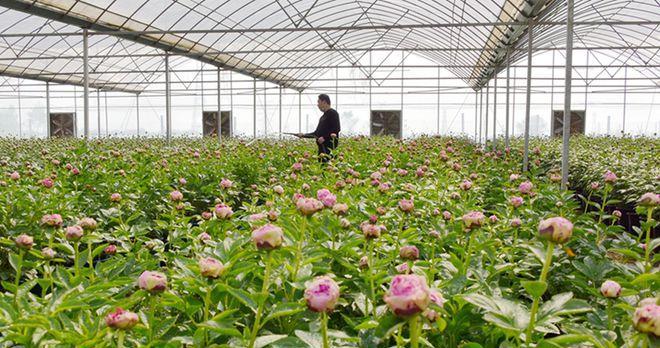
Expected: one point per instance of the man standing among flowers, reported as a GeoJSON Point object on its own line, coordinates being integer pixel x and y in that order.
{"type": "Point", "coordinates": [327, 131]}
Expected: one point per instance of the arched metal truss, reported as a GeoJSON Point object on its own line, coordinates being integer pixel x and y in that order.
{"type": "Point", "coordinates": [42, 39]}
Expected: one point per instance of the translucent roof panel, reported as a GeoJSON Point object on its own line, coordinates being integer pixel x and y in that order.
{"type": "Point", "coordinates": [264, 38]}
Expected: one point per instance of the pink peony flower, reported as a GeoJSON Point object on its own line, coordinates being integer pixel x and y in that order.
{"type": "Point", "coordinates": [322, 294]}
{"type": "Point", "coordinates": [406, 205]}
{"type": "Point", "coordinates": [595, 185]}
{"type": "Point", "coordinates": [207, 215]}
{"type": "Point", "coordinates": [210, 267]}
{"type": "Point", "coordinates": [14, 176]}
{"type": "Point", "coordinates": [47, 183]}
{"type": "Point", "coordinates": [87, 223]}
{"type": "Point", "coordinates": [226, 183]}
{"type": "Point", "coordinates": [402, 268]}
{"type": "Point", "coordinates": [446, 215]}
{"type": "Point", "coordinates": [465, 185]}
{"type": "Point", "coordinates": [182, 181]}
{"type": "Point", "coordinates": [176, 196]}
{"type": "Point", "coordinates": [647, 318]}
{"type": "Point", "coordinates": [223, 211]}
{"type": "Point", "coordinates": [326, 197]}
{"type": "Point", "coordinates": [53, 220]}
{"type": "Point", "coordinates": [153, 282]}
{"type": "Point", "coordinates": [278, 189]}
{"type": "Point", "coordinates": [121, 319]}
{"type": "Point", "coordinates": [308, 206]}
{"type": "Point", "coordinates": [649, 199]}
{"type": "Point", "coordinates": [516, 201]}
{"type": "Point", "coordinates": [556, 229]}
{"type": "Point", "coordinates": [610, 289]}
{"type": "Point", "coordinates": [408, 294]}
{"type": "Point", "coordinates": [409, 252]}
{"type": "Point", "coordinates": [73, 233]}
{"type": "Point", "coordinates": [24, 241]}
{"type": "Point", "coordinates": [204, 237]}
{"type": "Point", "coordinates": [340, 208]}
{"type": "Point", "coordinates": [525, 187]}
{"type": "Point", "coordinates": [473, 219]}
{"type": "Point", "coordinates": [267, 237]}
{"type": "Point", "coordinates": [370, 231]}
{"type": "Point", "coordinates": [609, 177]}
{"type": "Point", "coordinates": [115, 197]}
{"type": "Point", "coordinates": [297, 167]}
{"type": "Point", "coordinates": [110, 249]}
{"type": "Point", "coordinates": [516, 222]}
{"type": "Point", "coordinates": [514, 177]}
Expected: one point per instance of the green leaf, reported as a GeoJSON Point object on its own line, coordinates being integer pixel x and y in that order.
{"type": "Point", "coordinates": [366, 325]}
{"type": "Point", "coordinates": [221, 328]}
{"type": "Point", "coordinates": [242, 296]}
{"type": "Point", "coordinates": [535, 288]}
{"type": "Point", "coordinates": [312, 340]}
{"type": "Point", "coordinates": [263, 341]}
{"type": "Point", "coordinates": [283, 309]}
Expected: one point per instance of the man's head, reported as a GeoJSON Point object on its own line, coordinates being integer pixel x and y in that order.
{"type": "Point", "coordinates": [324, 102]}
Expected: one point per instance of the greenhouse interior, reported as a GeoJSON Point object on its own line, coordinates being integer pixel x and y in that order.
{"type": "Point", "coordinates": [329, 173]}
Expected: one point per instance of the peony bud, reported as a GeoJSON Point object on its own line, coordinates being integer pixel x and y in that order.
{"type": "Point", "coordinates": [344, 223]}
{"type": "Point", "coordinates": [408, 294]}
{"type": "Point", "coordinates": [308, 206]}
{"type": "Point", "coordinates": [223, 211]}
{"type": "Point", "coordinates": [24, 241]}
{"type": "Point", "coordinates": [556, 229]}
{"type": "Point", "coordinates": [53, 220]}
{"type": "Point", "coordinates": [473, 219]}
{"type": "Point", "coordinates": [176, 196]}
{"type": "Point", "coordinates": [322, 294]}
{"type": "Point", "coordinates": [406, 205]}
{"type": "Point", "coordinates": [87, 223]}
{"type": "Point", "coordinates": [121, 319]}
{"type": "Point", "coordinates": [465, 185]}
{"type": "Point", "coordinates": [48, 253]}
{"type": "Point", "coordinates": [609, 177]}
{"type": "Point", "coordinates": [370, 231]}
{"type": "Point", "coordinates": [364, 262]}
{"type": "Point", "coordinates": [226, 183]}
{"type": "Point", "coordinates": [525, 187]}
{"type": "Point", "coordinates": [115, 197]}
{"type": "Point", "coordinates": [326, 197]}
{"type": "Point", "coordinates": [516, 222]}
{"type": "Point", "coordinates": [649, 199]}
{"type": "Point", "coordinates": [340, 208]}
{"type": "Point", "coordinates": [153, 282]}
{"type": "Point", "coordinates": [73, 233]}
{"type": "Point", "coordinates": [610, 289]}
{"type": "Point", "coordinates": [267, 237]}
{"type": "Point", "coordinates": [278, 189]}
{"type": "Point", "coordinates": [210, 267]}
{"type": "Point", "coordinates": [647, 318]}
{"type": "Point", "coordinates": [516, 201]}
{"type": "Point", "coordinates": [110, 249]}
{"type": "Point", "coordinates": [409, 252]}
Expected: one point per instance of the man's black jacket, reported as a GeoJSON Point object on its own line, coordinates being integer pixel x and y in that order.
{"type": "Point", "coordinates": [328, 124]}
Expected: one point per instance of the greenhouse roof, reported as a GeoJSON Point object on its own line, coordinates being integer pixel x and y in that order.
{"type": "Point", "coordinates": [42, 39]}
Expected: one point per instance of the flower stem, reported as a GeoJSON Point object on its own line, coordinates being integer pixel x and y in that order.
{"type": "Point", "coordinates": [468, 253]}
{"type": "Point", "coordinates": [120, 338]}
{"type": "Point", "coordinates": [90, 260]}
{"type": "Point", "coordinates": [372, 288]}
{"type": "Point", "coordinates": [76, 263]}
{"type": "Point", "coordinates": [647, 254]}
{"type": "Point", "coordinates": [264, 293]}
{"type": "Point", "coordinates": [414, 331]}
{"type": "Point", "coordinates": [324, 329]}
{"type": "Point", "coordinates": [535, 304]}
{"type": "Point", "coordinates": [207, 302]}
{"type": "Point", "coordinates": [609, 315]}
{"type": "Point", "coordinates": [296, 267]}
{"type": "Point", "coordinates": [17, 278]}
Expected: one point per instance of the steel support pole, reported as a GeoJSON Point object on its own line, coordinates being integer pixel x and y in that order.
{"type": "Point", "coordinates": [98, 112]}
{"type": "Point", "coordinates": [20, 111]}
{"type": "Point", "coordinates": [552, 91]}
{"type": "Point", "coordinates": [105, 103]}
{"type": "Point", "coordinates": [86, 82]}
{"type": "Point", "coordinates": [567, 96]}
{"type": "Point", "coordinates": [265, 112]}
{"type": "Point", "coordinates": [254, 108]}
{"type": "Point", "coordinates": [137, 114]}
{"type": "Point", "coordinates": [336, 87]}
{"type": "Point", "coordinates": [231, 104]}
{"type": "Point", "coordinates": [370, 79]}
{"type": "Point", "coordinates": [481, 113]}
{"type": "Point", "coordinates": [300, 112]}
{"type": "Point", "coordinates": [168, 101]}
{"type": "Point", "coordinates": [438, 106]}
{"type": "Point", "coordinates": [48, 110]}
{"type": "Point", "coordinates": [279, 113]}
{"type": "Point", "coordinates": [530, 44]}
{"type": "Point", "coordinates": [403, 59]}
{"type": "Point", "coordinates": [495, 113]}
{"type": "Point", "coordinates": [506, 127]}
{"type": "Point", "coordinates": [476, 113]}
{"type": "Point", "coordinates": [513, 112]}
{"type": "Point", "coordinates": [486, 116]}
{"type": "Point", "coordinates": [218, 119]}
{"type": "Point", "coordinates": [625, 95]}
